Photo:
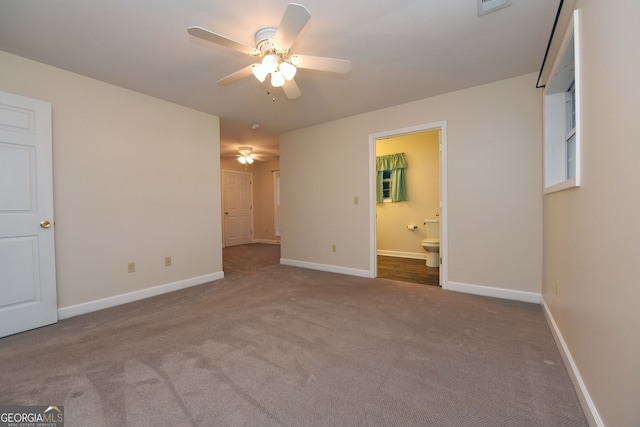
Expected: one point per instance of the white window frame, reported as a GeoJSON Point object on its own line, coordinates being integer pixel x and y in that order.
{"type": "Point", "coordinates": [557, 114]}
{"type": "Point", "coordinates": [386, 199]}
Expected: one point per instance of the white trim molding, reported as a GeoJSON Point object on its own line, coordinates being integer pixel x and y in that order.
{"type": "Point", "coordinates": [100, 304]}
{"type": "Point", "coordinates": [397, 254]}
{"type": "Point", "coordinates": [589, 408]}
{"type": "Point", "coordinates": [488, 291]}
{"type": "Point", "coordinates": [267, 241]}
{"type": "Point", "coordinates": [325, 267]}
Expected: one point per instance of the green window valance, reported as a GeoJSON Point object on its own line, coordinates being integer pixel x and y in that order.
{"type": "Point", "coordinates": [391, 162]}
{"type": "Point", "coordinates": [397, 165]}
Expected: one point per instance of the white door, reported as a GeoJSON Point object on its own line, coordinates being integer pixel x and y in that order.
{"type": "Point", "coordinates": [27, 257]}
{"type": "Point", "coordinates": [237, 208]}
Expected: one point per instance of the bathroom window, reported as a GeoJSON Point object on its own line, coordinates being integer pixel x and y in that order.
{"type": "Point", "coordinates": [562, 117]}
{"type": "Point", "coordinates": [386, 186]}
{"type": "Point", "coordinates": [391, 182]}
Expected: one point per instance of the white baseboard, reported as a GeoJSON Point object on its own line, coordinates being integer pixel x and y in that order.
{"type": "Point", "coordinates": [590, 410]}
{"type": "Point", "coordinates": [488, 291]}
{"type": "Point", "coordinates": [397, 254]}
{"type": "Point", "coordinates": [267, 241]}
{"type": "Point", "coordinates": [88, 307]}
{"type": "Point", "coordinates": [326, 267]}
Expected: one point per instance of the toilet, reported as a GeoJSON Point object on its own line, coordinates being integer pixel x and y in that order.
{"type": "Point", "coordinates": [431, 243]}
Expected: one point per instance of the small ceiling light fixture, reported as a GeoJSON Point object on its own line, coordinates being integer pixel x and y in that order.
{"type": "Point", "coordinates": [255, 126]}
{"type": "Point", "coordinates": [245, 157]}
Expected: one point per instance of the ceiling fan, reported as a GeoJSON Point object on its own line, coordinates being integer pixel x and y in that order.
{"type": "Point", "coordinates": [272, 45]}
{"type": "Point", "coordinates": [245, 155]}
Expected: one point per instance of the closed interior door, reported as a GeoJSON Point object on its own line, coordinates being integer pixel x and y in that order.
{"type": "Point", "coordinates": [238, 217]}
{"type": "Point", "coordinates": [27, 257]}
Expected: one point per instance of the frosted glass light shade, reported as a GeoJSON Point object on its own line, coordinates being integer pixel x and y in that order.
{"type": "Point", "coordinates": [260, 72]}
{"type": "Point", "coordinates": [270, 63]}
{"type": "Point", "coordinates": [288, 70]}
{"type": "Point", "coordinates": [277, 79]}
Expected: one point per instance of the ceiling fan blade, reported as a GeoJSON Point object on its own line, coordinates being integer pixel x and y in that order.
{"type": "Point", "coordinates": [291, 89]}
{"type": "Point", "coordinates": [293, 21]}
{"type": "Point", "coordinates": [238, 75]}
{"type": "Point", "coordinates": [212, 37]}
{"type": "Point", "coordinates": [320, 63]}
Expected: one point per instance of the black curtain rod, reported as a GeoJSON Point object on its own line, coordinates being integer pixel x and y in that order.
{"type": "Point", "coordinates": [544, 60]}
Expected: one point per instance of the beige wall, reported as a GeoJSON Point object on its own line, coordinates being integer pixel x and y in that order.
{"type": "Point", "coordinates": [263, 196]}
{"type": "Point", "coordinates": [421, 150]}
{"type": "Point", "coordinates": [494, 184]}
{"type": "Point", "coordinates": [591, 233]}
{"type": "Point", "coordinates": [135, 179]}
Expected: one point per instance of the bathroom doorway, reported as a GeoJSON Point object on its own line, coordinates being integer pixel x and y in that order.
{"type": "Point", "coordinates": [399, 226]}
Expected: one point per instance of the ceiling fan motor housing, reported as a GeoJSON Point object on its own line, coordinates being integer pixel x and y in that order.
{"type": "Point", "coordinates": [264, 40]}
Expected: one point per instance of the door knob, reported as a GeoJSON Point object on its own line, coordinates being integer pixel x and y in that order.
{"type": "Point", "coordinates": [226, 213]}
{"type": "Point", "coordinates": [45, 224]}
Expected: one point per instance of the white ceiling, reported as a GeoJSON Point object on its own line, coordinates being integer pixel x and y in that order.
{"type": "Point", "coordinates": [401, 51]}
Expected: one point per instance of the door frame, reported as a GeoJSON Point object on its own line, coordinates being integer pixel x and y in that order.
{"type": "Point", "coordinates": [444, 235]}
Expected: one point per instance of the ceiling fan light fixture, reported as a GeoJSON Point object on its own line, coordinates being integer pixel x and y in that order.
{"type": "Point", "coordinates": [246, 156]}
{"type": "Point", "coordinates": [277, 79]}
{"type": "Point", "coordinates": [288, 70]}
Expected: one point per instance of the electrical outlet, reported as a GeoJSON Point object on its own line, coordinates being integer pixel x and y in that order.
{"type": "Point", "coordinates": [167, 261]}
{"type": "Point", "coordinates": [333, 248]}
{"type": "Point", "coordinates": [131, 267]}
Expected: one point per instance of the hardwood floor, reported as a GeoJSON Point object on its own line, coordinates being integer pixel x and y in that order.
{"type": "Point", "coordinates": [394, 268]}
{"type": "Point", "coordinates": [408, 270]}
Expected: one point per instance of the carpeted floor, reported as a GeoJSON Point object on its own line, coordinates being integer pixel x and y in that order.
{"type": "Point", "coordinates": [273, 345]}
